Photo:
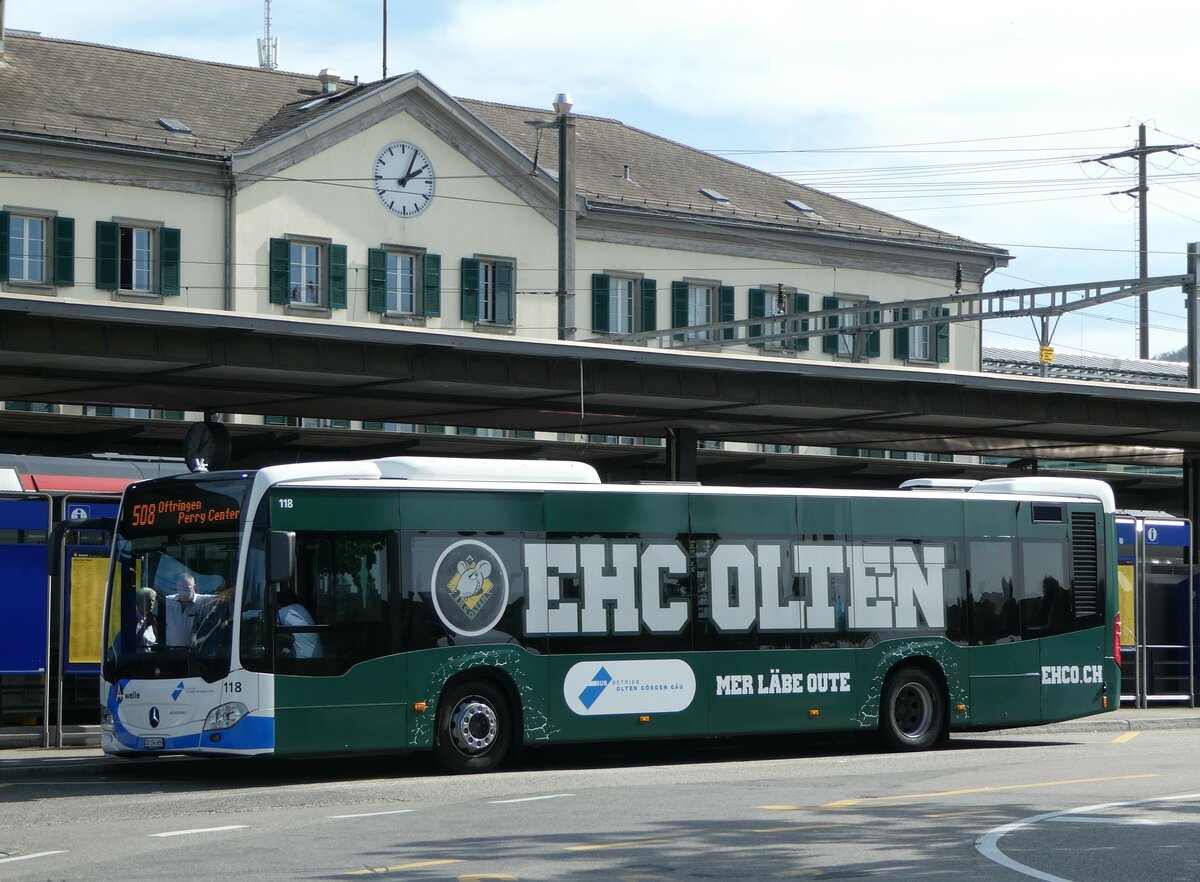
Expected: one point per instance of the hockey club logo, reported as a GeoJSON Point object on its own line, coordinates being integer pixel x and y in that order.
{"type": "Point", "coordinates": [469, 587]}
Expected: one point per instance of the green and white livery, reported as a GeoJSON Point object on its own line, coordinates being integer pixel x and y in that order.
{"type": "Point", "coordinates": [473, 606]}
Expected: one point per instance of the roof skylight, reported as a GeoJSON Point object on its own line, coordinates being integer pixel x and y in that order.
{"type": "Point", "coordinates": [714, 195]}
{"type": "Point", "coordinates": [801, 207]}
{"type": "Point", "coordinates": [174, 125]}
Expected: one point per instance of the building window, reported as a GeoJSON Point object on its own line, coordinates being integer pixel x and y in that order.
{"type": "Point", "coordinates": [847, 343]}
{"type": "Point", "coordinates": [926, 342]}
{"type": "Point", "coordinates": [27, 249]}
{"type": "Point", "coordinates": [699, 302]}
{"type": "Point", "coordinates": [487, 290]}
{"type": "Point", "coordinates": [304, 274]}
{"type": "Point", "coordinates": [36, 248]}
{"type": "Point", "coordinates": [403, 282]}
{"type": "Point", "coordinates": [135, 259]}
{"type": "Point", "coordinates": [138, 257]}
{"type": "Point", "coordinates": [623, 303]}
{"type": "Point", "coordinates": [307, 273]}
{"type": "Point", "coordinates": [778, 300]}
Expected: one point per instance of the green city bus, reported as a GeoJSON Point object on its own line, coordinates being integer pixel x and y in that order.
{"type": "Point", "coordinates": [474, 607]}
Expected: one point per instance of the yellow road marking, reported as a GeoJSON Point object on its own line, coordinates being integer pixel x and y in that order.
{"type": "Point", "coordinates": [632, 843]}
{"type": "Point", "coordinates": [1128, 736]}
{"type": "Point", "coordinates": [790, 828]}
{"type": "Point", "coordinates": [843, 803]}
{"type": "Point", "coordinates": [413, 866]}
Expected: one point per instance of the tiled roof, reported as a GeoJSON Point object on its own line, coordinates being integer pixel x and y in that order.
{"type": "Point", "coordinates": [102, 94]}
{"type": "Point", "coordinates": [91, 93]}
{"type": "Point", "coordinates": [667, 177]}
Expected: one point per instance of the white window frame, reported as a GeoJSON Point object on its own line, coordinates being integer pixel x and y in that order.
{"type": "Point", "coordinates": [622, 303]}
{"type": "Point", "coordinates": [702, 298]}
{"type": "Point", "coordinates": [137, 256]}
{"type": "Point", "coordinates": [847, 323]}
{"type": "Point", "coordinates": [306, 265]}
{"type": "Point", "coordinates": [46, 220]}
{"type": "Point", "coordinates": [394, 292]}
{"type": "Point", "coordinates": [921, 337]}
{"type": "Point", "coordinates": [487, 291]}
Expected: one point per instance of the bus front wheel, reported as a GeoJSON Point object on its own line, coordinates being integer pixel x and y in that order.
{"type": "Point", "coordinates": [474, 727]}
{"type": "Point", "coordinates": [913, 714]}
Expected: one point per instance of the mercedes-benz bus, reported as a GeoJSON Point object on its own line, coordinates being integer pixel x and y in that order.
{"type": "Point", "coordinates": [473, 607]}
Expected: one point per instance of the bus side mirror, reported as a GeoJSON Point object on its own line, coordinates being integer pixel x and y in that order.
{"type": "Point", "coordinates": [281, 555]}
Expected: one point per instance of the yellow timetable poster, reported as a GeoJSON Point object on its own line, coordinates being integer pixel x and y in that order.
{"type": "Point", "coordinates": [87, 609]}
{"type": "Point", "coordinates": [1128, 620]}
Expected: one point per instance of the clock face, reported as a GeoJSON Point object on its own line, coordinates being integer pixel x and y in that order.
{"type": "Point", "coordinates": [207, 446]}
{"type": "Point", "coordinates": [403, 179]}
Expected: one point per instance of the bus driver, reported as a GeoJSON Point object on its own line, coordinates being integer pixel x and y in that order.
{"type": "Point", "coordinates": [185, 609]}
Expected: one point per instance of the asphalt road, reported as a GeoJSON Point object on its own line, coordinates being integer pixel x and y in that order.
{"type": "Point", "coordinates": [1073, 806]}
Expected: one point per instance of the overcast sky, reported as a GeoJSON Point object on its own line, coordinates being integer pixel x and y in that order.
{"type": "Point", "coordinates": [974, 118]}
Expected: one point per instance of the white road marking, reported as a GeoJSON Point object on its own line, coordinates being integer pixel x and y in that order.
{"type": "Point", "coordinates": [1111, 822]}
{"type": "Point", "coordinates": [374, 814]}
{"type": "Point", "coordinates": [202, 830]}
{"type": "Point", "coordinates": [530, 798]}
{"type": "Point", "coordinates": [29, 857]}
{"type": "Point", "coordinates": [989, 843]}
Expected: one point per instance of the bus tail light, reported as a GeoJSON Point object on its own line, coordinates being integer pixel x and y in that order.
{"type": "Point", "coordinates": [1117, 639]}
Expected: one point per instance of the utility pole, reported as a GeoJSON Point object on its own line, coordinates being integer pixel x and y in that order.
{"type": "Point", "coordinates": [1141, 151]}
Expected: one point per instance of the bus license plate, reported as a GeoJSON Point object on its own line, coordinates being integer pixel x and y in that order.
{"type": "Point", "coordinates": [154, 742]}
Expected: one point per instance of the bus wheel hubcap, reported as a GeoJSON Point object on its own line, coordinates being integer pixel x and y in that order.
{"type": "Point", "coordinates": [473, 726]}
{"type": "Point", "coordinates": [913, 710]}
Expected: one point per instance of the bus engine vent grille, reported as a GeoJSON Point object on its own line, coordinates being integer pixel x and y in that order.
{"type": "Point", "coordinates": [1085, 564]}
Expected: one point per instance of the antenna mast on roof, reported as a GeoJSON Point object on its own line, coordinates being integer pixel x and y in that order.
{"type": "Point", "coordinates": [268, 46]}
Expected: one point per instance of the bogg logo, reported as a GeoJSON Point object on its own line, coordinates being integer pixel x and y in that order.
{"type": "Point", "coordinates": [469, 587]}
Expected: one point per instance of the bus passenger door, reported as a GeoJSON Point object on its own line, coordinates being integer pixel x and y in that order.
{"type": "Point", "coordinates": [1004, 670]}
{"type": "Point", "coordinates": [339, 672]}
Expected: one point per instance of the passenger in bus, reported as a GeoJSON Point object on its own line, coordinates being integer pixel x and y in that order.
{"type": "Point", "coordinates": [292, 614]}
{"type": "Point", "coordinates": [185, 609]}
{"type": "Point", "coordinates": [144, 631]}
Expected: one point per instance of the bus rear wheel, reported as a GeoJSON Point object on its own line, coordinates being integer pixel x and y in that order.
{"type": "Point", "coordinates": [474, 727]}
{"type": "Point", "coordinates": [913, 714]}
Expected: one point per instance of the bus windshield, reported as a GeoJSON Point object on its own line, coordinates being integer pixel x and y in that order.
{"type": "Point", "coordinates": [170, 601]}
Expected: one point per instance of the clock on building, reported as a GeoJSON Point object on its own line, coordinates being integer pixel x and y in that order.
{"type": "Point", "coordinates": [207, 446]}
{"type": "Point", "coordinates": [403, 179]}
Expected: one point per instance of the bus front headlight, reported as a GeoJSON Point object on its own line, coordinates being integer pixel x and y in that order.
{"type": "Point", "coordinates": [225, 716]}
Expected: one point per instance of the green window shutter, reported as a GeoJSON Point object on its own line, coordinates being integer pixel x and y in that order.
{"type": "Point", "coordinates": [504, 292]}
{"type": "Point", "coordinates": [470, 289]}
{"type": "Point", "coordinates": [725, 310]}
{"type": "Point", "coordinates": [679, 305]}
{"type": "Point", "coordinates": [758, 309]}
{"type": "Point", "coordinates": [649, 305]}
{"type": "Point", "coordinates": [372, 425]}
{"type": "Point", "coordinates": [679, 293]}
{"type": "Point", "coordinates": [275, 421]}
{"type": "Point", "coordinates": [64, 251]}
{"type": "Point", "coordinates": [172, 414]}
{"type": "Point", "coordinates": [599, 303]}
{"type": "Point", "coordinates": [376, 280]}
{"type": "Point", "coordinates": [800, 304]}
{"type": "Point", "coordinates": [942, 335]}
{"type": "Point", "coordinates": [337, 276]}
{"type": "Point", "coordinates": [108, 255]}
{"type": "Point", "coordinates": [597, 439]}
{"type": "Point", "coordinates": [524, 433]}
{"type": "Point", "coordinates": [873, 337]}
{"type": "Point", "coordinates": [653, 442]}
{"type": "Point", "coordinates": [168, 261]}
{"type": "Point", "coordinates": [435, 430]}
{"type": "Point", "coordinates": [280, 270]}
{"type": "Point", "coordinates": [5, 233]}
{"type": "Point", "coordinates": [339, 424]}
{"type": "Point", "coordinates": [829, 343]}
{"type": "Point", "coordinates": [900, 336]}
{"type": "Point", "coordinates": [467, 430]}
{"type": "Point", "coordinates": [104, 410]}
{"type": "Point", "coordinates": [431, 271]}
